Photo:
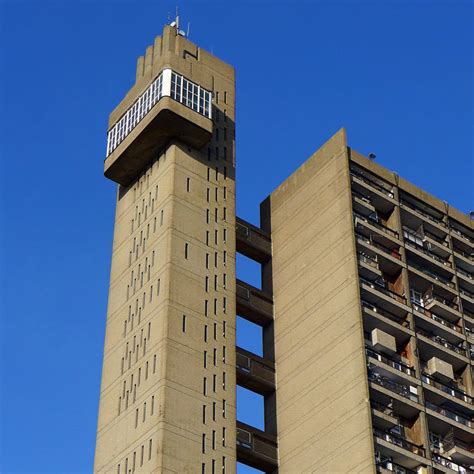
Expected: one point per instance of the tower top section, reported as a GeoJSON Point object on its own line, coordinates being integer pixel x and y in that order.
{"type": "Point", "coordinates": [172, 99]}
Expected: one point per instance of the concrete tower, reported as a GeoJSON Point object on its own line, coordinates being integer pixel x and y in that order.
{"type": "Point", "coordinates": [167, 399]}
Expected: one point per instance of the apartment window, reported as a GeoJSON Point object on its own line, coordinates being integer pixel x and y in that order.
{"type": "Point", "coordinates": [186, 250]}
{"type": "Point", "coordinates": [205, 359]}
{"type": "Point", "coordinates": [203, 448]}
{"type": "Point", "coordinates": [214, 382]}
{"type": "Point", "coordinates": [213, 411]}
{"type": "Point", "coordinates": [184, 323]}
{"type": "Point", "coordinates": [223, 437]}
{"type": "Point", "coordinates": [213, 439]}
{"type": "Point", "coordinates": [224, 408]}
{"type": "Point", "coordinates": [204, 414]}
{"type": "Point", "coordinates": [205, 333]}
{"type": "Point", "coordinates": [188, 184]}
{"type": "Point", "coordinates": [416, 297]}
{"type": "Point", "coordinates": [207, 261]}
{"type": "Point", "coordinates": [204, 386]}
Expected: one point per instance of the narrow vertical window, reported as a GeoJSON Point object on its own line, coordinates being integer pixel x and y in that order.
{"type": "Point", "coordinates": [223, 437]}
{"type": "Point", "coordinates": [207, 261]}
{"type": "Point", "coordinates": [205, 333]}
{"type": "Point", "coordinates": [208, 194]}
{"type": "Point", "coordinates": [224, 191]}
{"type": "Point", "coordinates": [204, 386]}
{"type": "Point", "coordinates": [223, 464]}
{"type": "Point", "coordinates": [149, 449]}
{"type": "Point", "coordinates": [136, 417]}
{"type": "Point", "coordinates": [225, 97]}
{"type": "Point", "coordinates": [213, 439]}
{"type": "Point", "coordinates": [205, 359]}
{"type": "Point", "coordinates": [213, 411]}
{"type": "Point", "coordinates": [152, 405]}
{"type": "Point", "coordinates": [206, 307]}
{"type": "Point", "coordinates": [186, 250]}
{"type": "Point", "coordinates": [188, 184]}
{"type": "Point", "coordinates": [203, 447]}
{"type": "Point", "coordinates": [224, 408]}
{"type": "Point", "coordinates": [184, 323]}
{"type": "Point", "coordinates": [204, 414]}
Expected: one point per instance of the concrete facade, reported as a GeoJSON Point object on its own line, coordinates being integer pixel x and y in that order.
{"type": "Point", "coordinates": [366, 306]}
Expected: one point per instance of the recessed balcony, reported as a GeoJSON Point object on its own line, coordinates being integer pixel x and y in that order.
{"type": "Point", "coordinates": [388, 258]}
{"type": "Point", "coordinates": [405, 398]}
{"type": "Point", "coordinates": [415, 215]}
{"type": "Point", "coordinates": [429, 321]}
{"type": "Point", "coordinates": [380, 193]}
{"type": "Point", "coordinates": [385, 465]}
{"type": "Point", "coordinates": [442, 418]}
{"type": "Point", "coordinates": [400, 449]}
{"type": "Point", "coordinates": [256, 448]}
{"type": "Point", "coordinates": [449, 465]}
{"type": "Point", "coordinates": [369, 226]}
{"type": "Point", "coordinates": [438, 392]}
{"type": "Point", "coordinates": [458, 450]}
{"type": "Point", "coordinates": [398, 325]}
{"type": "Point", "coordinates": [368, 265]}
{"type": "Point", "coordinates": [373, 292]}
{"type": "Point", "coordinates": [391, 367]}
{"type": "Point", "coordinates": [439, 305]}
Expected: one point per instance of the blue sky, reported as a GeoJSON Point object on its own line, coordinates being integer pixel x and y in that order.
{"type": "Point", "coordinates": [397, 75]}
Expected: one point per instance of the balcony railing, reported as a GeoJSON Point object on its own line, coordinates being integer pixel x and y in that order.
{"type": "Point", "coordinates": [400, 389]}
{"type": "Point", "coordinates": [385, 291]}
{"type": "Point", "coordinates": [464, 273]}
{"type": "Point", "coordinates": [464, 236]}
{"type": "Point", "coordinates": [386, 410]}
{"type": "Point", "coordinates": [422, 249]}
{"type": "Point", "coordinates": [436, 318]}
{"type": "Point", "coordinates": [450, 390]}
{"type": "Point", "coordinates": [469, 256]}
{"type": "Point", "coordinates": [375, 223]}
{"type": "Point", "coordinates": [396, 364]}
{"type": "Point", "coordinates": [438, 459]}
{"type": "Point", "coordinates": [394, 317]}
{"type": "Point", "coordinates": [450, 442]}
{"type": "Point", "coordinates": [451, 414]}
{"type": "Point", "coordinates": [434, 297]}
{"type": "Point", "coordinates": [394, 467]}
{"type": "Point", "coordinates": [435, 238]}
{"type": "Point", "coordinates": [368, 260]}
{"type": "Point", "coordinates": [400, 442]}
{"type": "Point", "coordinates": [389, 251]}
{"type": "Point", "coordinates": [372, 183]}
{"type": "Point", "coordinates": [361, 196]}
{"type": "Point", "coordinates": [466, 293]}
{"type": "Point", "coordinates": [428, 216]}
{"type": "Point", "coordinates": [431, 274]}
{"type": "Point", "coordinates": [441, 341]}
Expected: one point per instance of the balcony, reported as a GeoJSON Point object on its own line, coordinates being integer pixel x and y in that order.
{"type": "Point", "coordinates": [451, 465]}
{"type": "Point", "coordinates": [426, 319]}
{"type": "Point", "coordinates": [383, 416]}
{"type": "Point", "coordinates": [253, 304]}
{"type": "Point", "coordinates": [388, 258]}
{"type": "Point", "coordinates": [421, 249]}
{"type": "Point", "coordinates": [441, 341]}
{"type": "Point", "coordinates": [406, 391]}
{"type": "Point", "coordinates": [381, 194]}
{"type": "Point", "coordinates": [463, 237]}
{"type": "Point", "coordinates": [158, 116]}
{"type": "Point", "coordinates": [375, 310]}
{"type": "Point", "coordinates": [401, 450]}
{"type": "Point", "coordinates": [252, 241]}
{"type": "Point", "coordinates": [449, 415]}
{"type": "Point", "coordinates": [375, 293]}
{"type": "Point", "coordinates": [368, 265]}
{"type": "Point", "coordinates": [387, 465]}
{"type": "Point", "coordinates": [458, 450]}
{"type": "Point", "coordinates": [256, 448]}
{"type": "Point", "coordinates": [425, 216]}
{"type": "Point", "coordinates": [255, 373]}
{"type": "Point", "coordinates": [429, 276]}
{"type": "Point", "coordinates": [453, 391]}
{"type": "Point", "coordinates": [371, 224]}
{"type": "Point", "coordinates": [393, 363]}
{"type": "Point", "coordinates": [442, 306]}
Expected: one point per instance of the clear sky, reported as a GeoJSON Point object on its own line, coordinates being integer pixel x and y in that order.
{"type": "Point", "coordinates": [397, 75]}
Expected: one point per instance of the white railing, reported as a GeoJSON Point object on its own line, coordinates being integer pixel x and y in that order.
{"type": "Point", "coordinates": [167, 84]}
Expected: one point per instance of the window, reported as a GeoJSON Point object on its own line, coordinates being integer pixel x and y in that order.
{"type": "Point", "coordinates": [186, 250]}
{"type": "Point", "coordinates": [188, 184]}
{"type": "Point", "coordinates": [184, 323]}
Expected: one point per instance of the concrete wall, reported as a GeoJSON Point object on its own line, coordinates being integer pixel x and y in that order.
{"type": "Point", "coordinates": [323, 413]}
